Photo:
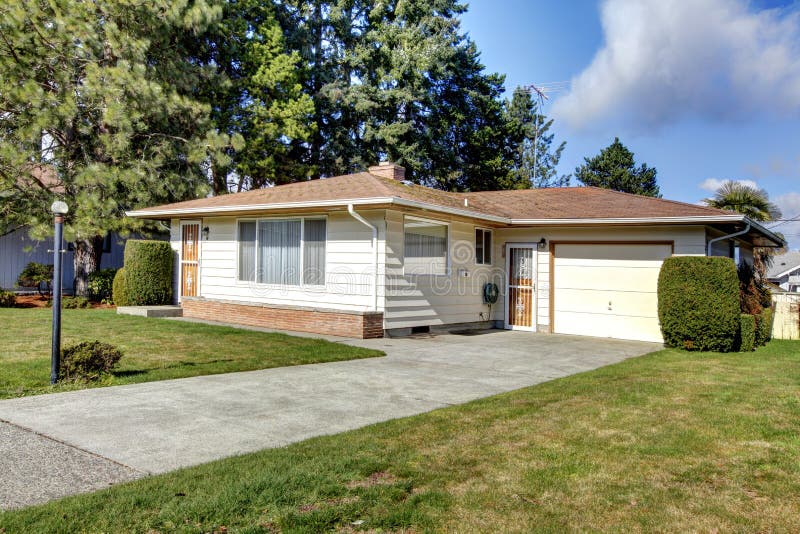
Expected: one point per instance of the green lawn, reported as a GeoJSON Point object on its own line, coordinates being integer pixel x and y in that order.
{"type": "Point", "coordinates": [154, 349]}
{"type": "Point", "coordinates": [670, 441]}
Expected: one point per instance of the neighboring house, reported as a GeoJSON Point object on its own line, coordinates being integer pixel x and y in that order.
{"type": "Point", "coordinates": [17, 249]}
{"type": "Point", "coordinates": [785, 271]}
{"type": "Point", "coordinates": [368, 254]}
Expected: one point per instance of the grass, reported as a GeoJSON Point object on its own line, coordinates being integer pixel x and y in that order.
{"type": "Point", "coordinates": [671, 441]}
{"type": "Point", "coordinates": [154, 349]}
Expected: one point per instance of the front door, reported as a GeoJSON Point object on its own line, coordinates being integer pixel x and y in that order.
{"type": "Point", "coordinates": [521, 290]}
{"type": "Point", "coordinates": [190, 259]}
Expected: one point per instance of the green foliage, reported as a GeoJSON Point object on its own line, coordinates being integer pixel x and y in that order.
{"type": "Point", "coordinates": [35, 273]}
{"type": "Point", "coordinates": [745, 199]}
{"type": "Point", "coordinates": [747, 333]}
{"type": "Point", "coordinates": [101, 285]}
{"type": "Point", "coordinates": [614, 168]}
{"type": "Point", "coordinates": [698, 303]}
{"type": "Point", "coordinates": [8, 299]}
{"type": "Point", "coordinates": [72, 303]}
{"type": "Point", "coordinates": [88, 360]}
{"type": "Point", "coordinates": [754, 295]}
{"type": "Point", "coordinates": [764, 326]}
{"type": "Point", "coordinates": [148, 272]}
{"type": "Point", "coordinates": [535, 162]}
{"type": "Point", "coordinates": [119, 289]}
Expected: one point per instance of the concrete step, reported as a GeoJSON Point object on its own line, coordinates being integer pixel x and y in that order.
{"type": "Point", "coordinates": [151, 311]}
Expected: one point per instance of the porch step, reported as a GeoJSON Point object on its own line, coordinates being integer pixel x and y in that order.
{"type": "Point", "coordinates": [151, 311]}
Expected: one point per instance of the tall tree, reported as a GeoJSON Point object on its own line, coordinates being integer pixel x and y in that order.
{"type": "Point", "coordinates": [100, 98]}
{"type": "Point", "coordinates": [614, 168]}
{"type": "Point", "coordinates": [535, 160]}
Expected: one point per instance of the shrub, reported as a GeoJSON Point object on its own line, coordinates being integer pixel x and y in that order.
{"type": "Point", "coordinates": [698, 303]}
{"type": "Point", "coordinates": [753, 294]}
{"type": "Point", "coordinates": [7, 299]}
{"type": "Point", "coordinates": [88, 360]}
{"type": "Point", "coordinates": [101, 285]}
{"type": "Point", "coordinates": [36, 275]}
{"type": "Point", "coordinates": [72, 303]}
{"type": "Point", "coordinates": [119, 289]}
{"type": "Point", "coordinates": [764, 327]}
{"type": "Point", "coordinates": [747, 336]}
{"type": "Point", "coordinates": [148, 272]}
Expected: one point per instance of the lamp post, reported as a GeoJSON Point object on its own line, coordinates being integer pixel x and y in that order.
{"type": "Point", "coordinates": [59, 209]}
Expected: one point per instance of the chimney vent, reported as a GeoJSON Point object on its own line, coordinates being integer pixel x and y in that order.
{"type": "Point", "coordinates": [387, 169]}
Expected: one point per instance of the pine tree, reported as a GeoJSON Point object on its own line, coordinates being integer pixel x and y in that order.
{"type": "Point", "coordinates": [535, 162]}
{"type": "Point", "coordinates": [99, 109]}
{"type": "Point", "coordinates": [614, 168]}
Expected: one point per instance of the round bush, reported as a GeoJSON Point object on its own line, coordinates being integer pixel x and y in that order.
{"type": "Point", "coordinates": [88, 360]}
{"type": "Point", "coordinates": [7, 299]}
{"type": "Point", "coordinates": [698, 303]}
{"type": "Point", "coordinates": [148, 272]}
{"type": "Point", "coordinates": [119, 293]}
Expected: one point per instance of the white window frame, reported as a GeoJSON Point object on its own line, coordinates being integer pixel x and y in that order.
{"type": "Point", "coordinates": [446, 224]}
{"type": "Point", "coordinates": [302, 219]}
{"type": "Point", "coordinates": [491, 245]}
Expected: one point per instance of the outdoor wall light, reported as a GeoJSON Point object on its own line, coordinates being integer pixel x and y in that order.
{"type": "Point", "coordinates": [206, 231]}
{"type": "Point", "coordinates": [543, 244]}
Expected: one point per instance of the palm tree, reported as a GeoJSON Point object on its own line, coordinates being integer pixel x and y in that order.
{"type": "Point", "coordinates": [744, 199]}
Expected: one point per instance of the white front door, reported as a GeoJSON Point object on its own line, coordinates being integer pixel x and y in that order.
{"type": "Point", "coordinates": [521, 287]}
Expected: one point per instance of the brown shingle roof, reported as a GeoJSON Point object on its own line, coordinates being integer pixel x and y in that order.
{"type": "Point", "coordinates": [527, 204]}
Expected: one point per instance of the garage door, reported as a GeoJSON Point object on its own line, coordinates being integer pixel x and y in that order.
{"type": "Point", "coordinates": [607, 290]}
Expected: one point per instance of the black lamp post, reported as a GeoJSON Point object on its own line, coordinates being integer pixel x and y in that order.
{"type": "Point", "coordinates": [59, 209]}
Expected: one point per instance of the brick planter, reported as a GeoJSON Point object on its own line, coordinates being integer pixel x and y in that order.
{"type": "Point", "coordinates": [356, 324]}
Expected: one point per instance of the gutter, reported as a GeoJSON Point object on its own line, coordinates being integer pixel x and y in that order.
{"type": "Point", "coordinates": [729, 236]}
{"type": "Point", "coordinates": [374, 229]}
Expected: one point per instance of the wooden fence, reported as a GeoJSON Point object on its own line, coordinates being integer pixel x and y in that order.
{"type": "Point", "coordinates": [787, 315]}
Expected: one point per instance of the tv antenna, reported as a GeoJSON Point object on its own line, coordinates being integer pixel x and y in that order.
{"type": "Point", "coordinates": [540, 92]}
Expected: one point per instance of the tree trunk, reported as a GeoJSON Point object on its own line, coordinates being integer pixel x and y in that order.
{"type": "Point", "coordinates": [87, 260]}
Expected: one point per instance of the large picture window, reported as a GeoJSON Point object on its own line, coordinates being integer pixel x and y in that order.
{"type": "Point", "coordinates": [288, 252]}
{"type": "Point", "coordinates": [425, 247]}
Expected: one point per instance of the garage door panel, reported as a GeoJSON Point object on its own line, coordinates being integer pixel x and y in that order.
{"type": "Point", "coordinates": [587, 324]}
{"type": "Point", "coordinates": [606, 278]}
{"type": "Point", "coordinates": [587, 277]}
{"type": "Point", "coordinates": [629, 303]}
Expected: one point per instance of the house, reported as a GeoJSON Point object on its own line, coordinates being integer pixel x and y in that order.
{"type": "Point", "coordinates": [369, 254]}
{"type": "Point", "coordinates": [785, 271]}
{"type": "Point", "coordinates": [17, 249]}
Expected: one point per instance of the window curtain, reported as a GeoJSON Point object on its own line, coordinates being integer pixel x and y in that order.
{"type": "Point", "coordinates": [279, 252]}
{"type": "Point", "coordinates": [247, 251]}
{"type": "Point", "coordinates": [425, 248]}
{"type": "Point", "coordinates": [314, 252]}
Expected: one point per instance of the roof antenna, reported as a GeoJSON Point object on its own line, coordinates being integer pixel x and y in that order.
{"type": "Point", "coordinates": [540, 91]}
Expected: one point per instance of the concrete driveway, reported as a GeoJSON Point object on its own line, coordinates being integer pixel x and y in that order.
{"type": "Point", "coordinates": [124, 432]}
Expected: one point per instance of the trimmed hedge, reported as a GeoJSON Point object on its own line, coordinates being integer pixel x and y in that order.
{"type": "Point", "coordinates": [747, 339]}
{"type": "Point", "coordinates": [8, 299]}
{"type": "Point", "coordinates": [698, 303]}
{"type": "Point", "coordinates": [764, 327]}
{"type": "Point", "coordinates": [119, 290]}
{"type": "Point", "coordinates": [148, 272]}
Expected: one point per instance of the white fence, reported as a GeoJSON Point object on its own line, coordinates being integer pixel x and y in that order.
{"type": "Point", "coordinates": [787, 315]}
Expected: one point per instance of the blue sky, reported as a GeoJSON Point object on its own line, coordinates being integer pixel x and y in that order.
{"type": "Point", "coordinates": [703, 90]}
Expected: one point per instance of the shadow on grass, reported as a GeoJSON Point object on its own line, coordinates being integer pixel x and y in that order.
{"type": "Point", "coordinates": [175, 365]}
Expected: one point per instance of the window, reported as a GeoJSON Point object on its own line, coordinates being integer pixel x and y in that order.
{"type": "Point", "coordinates": [425, 247]}
{"type": "Point", "coordinates": [483, 246]}
{"type": "Point", "coordinates": [287, 252]}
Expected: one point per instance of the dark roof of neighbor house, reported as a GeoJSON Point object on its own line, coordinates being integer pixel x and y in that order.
{"type": "Point", "coordinates": [784, 264]}
{"type": "Point", "coordinates": [568, 205]}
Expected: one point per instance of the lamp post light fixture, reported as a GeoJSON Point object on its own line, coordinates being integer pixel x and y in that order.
{"type": "Point", "coordinates": [59, 209]}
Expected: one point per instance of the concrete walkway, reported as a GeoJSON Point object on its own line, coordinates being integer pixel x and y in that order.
{"type": "Point", "coordinates": [133, 430]}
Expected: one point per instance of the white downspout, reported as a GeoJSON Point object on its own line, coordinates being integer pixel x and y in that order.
{"type": "Point", "coordinates": [712, 241]}
{"type": "Point", "coordinates": [374, 229]}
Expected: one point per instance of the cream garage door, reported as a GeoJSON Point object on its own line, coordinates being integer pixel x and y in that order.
{"type": "Point", "coordinates": [607, 290]}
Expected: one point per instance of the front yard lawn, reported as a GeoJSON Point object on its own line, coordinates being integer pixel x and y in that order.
{"type": "Point", "coordinates": [670, 441]}
{"type": "Point", "coordinates": [154, 349]}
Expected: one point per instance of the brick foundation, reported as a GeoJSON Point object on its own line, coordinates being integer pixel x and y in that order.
{"type": "Point", "coordinates": [296, 318]}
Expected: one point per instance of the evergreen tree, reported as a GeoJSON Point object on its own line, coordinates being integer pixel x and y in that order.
{"type": "Point", "coordinates": [614, 168]}
{"type": "Point", "coordinates": [535, 162]}
{"type": "Point", "coordinates": [98, 108]}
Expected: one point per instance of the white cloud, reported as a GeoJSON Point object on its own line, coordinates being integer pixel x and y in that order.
{"type": "Point", "coordinates": [789, 204]}
{"type": "Point", "coordinates": [663, 59]}
{"type": "Point", "coordinates": [712, 184]}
